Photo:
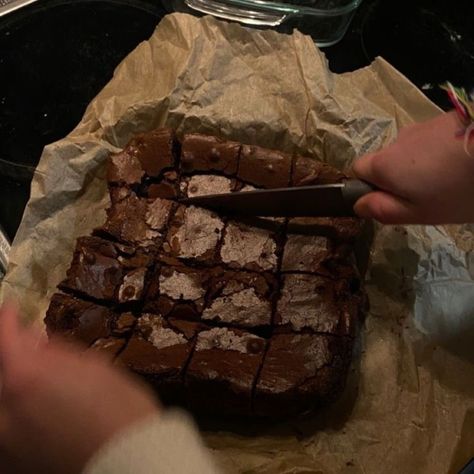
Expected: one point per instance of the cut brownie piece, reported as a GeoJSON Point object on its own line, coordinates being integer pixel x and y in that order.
{"type": "Point", "coordinates": [316, 303]}
{"type": "Point", "coordinates": [148, 154]}
{"type": "Point", "coordinates": [300, 371]}
{"type": "Point", "coordinates": [160, 353]}
{"type": "Point", "coordinates": [264, 168]}
{"type": "Point", "coordinates": [240, 298]}
{"type": "Point", "coordinates": [78, 320]}
{"type": "Point", "coordinates": [194, 233]}
{"type": "Point", "coordinates": [207, 153]}
{"type": "Point", "coordinates": [106, 271]}
{"type": "Point", "coordinates": [200, 185]}
{"type": "Point", "coordinates": [248, 247]}
{"type": "Point", "coordinates": [314, 254]}
{"type": "Point", "coordinates": [136, 221]}
{"type": "Point", "coordinates": [223, 369]}
{"type": "Point", "coordinates": [309, 171]}
{"type": "Point", "coordinates": [177, 291]}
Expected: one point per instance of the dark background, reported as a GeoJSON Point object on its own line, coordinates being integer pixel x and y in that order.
{"type": "Point", "coordinates": [56, 55]}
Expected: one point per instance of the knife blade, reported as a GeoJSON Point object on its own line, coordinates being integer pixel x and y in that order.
{"type": "Point", "coordinates": [327, 200]}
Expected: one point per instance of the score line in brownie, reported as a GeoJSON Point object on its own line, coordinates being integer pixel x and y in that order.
{"type": "Point", "coordinates": [222, 316]}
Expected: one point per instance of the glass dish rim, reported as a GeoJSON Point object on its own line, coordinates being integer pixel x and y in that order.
{"type": "Point", "coordinates": [297, 10]}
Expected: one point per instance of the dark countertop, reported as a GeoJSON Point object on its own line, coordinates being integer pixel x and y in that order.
{"type": "Point", "coordinates": [49, 72]}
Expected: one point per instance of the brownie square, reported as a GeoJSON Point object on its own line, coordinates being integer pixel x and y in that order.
{"type": "Point", "coordinates": [242, 299]}
{"type": "Point", "coordinates": [206, 153]}
{"type": "Point", "coordinates": [300, 371]}
{"type": "Point", "coordinates": [177, 291]}
{"type": "Point", "coordinates": [136, 221]}
{"type": "Point", "coordinates": [309, 171]}
{"type": "Point", "coordinates": [147, 154]}
{"type": "Point", "coordinates": [159, 352]}
{"type": "Point", "coordinates": [221, 375]}
{"type": "Point", "coordinates": [77, 320]}
{"type": "Point", "coordinates": [250, 248]}
{"type": "Point", "coordinates": [264, 168]}
{"type": "Point", "coordinates": [106, 271]}
{"type": "Point", "coordinates": [194, 233]}
{"type": "Point", "coordinates": [314, 254]}
{"type": "Point", "coordinates": [314, 302]}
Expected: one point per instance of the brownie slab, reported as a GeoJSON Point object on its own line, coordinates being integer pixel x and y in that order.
{"type": "Point", "coordinates": [226, 315]}
{"type": "Point", "coordinates": [207, 153]}
{"type": "Point", "coordinates": [300, 371]}
{"type": "Point", "coordinates": [223, 369]}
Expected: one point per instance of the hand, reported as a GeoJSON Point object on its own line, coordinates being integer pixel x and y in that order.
{"type": "Point", "coordinates": [425, 177]}
{"type": "Point", "coordinates": [58, 405]}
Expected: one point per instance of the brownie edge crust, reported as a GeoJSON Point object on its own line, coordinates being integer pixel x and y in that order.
{"type": "Point", "coordinates": [222, 316]}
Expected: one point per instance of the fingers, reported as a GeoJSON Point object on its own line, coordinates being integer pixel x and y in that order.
{"type": "Point", "coordinates": [386, 208]}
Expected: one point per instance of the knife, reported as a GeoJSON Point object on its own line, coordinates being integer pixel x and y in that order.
{"type": "Point", "coordinates": [327, 200]}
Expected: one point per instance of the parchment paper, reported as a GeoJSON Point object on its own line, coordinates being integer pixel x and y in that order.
{"type": "Point", "coordinates": [409, 406]}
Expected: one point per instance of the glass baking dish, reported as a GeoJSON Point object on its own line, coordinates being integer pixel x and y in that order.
{"type": "Point", "coordinates": [325, 20]}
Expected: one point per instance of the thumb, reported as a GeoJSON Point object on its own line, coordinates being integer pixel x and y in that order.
{"type": "Point", "coordinates": [386, 208]}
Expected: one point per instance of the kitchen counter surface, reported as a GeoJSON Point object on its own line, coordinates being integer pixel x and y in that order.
{"type": "Point", "coordinates": [49, 72]}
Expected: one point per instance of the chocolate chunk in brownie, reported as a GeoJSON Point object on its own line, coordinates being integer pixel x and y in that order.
{"type": "Point", "coordinates": [159, 353]}
{"type": "Point", "coordinates": [345, 229]}
{"type": "Point", "coordinates": [77, 320]}
{"type": "Point", "coordinates": [311, 302]}
{"type": "Point", "coordinates": [247, 247]}
{"type": "Point", "coordinates": [194, 233]}
{"type": "Point", "coordinates": [222, 372]}
{"type": "Point", "coordinates": [177, 292]}
{"type": "Point", "coordinates": [201, 185]}
{"type": "Point", "coordinates": [240, 298]}
{"type": "Point", "coordinates": [100, 271]}
{"type": "Point", "coordinates": [206, 153]}
{"type": "Point", "coordinates": [309, 171]}
{"type": "Point", "coordinates": [264, 168]}
{"type": "Point", "coordinates": [135, 220]}
{"type": "Point", "coordinates": [299, 372]}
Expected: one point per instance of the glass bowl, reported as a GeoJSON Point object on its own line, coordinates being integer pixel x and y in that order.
{"type": "Point", "coordinates": [325, 20]}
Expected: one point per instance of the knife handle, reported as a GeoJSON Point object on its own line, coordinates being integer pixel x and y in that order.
{"type": "Point", "coordinates": [354, 189]}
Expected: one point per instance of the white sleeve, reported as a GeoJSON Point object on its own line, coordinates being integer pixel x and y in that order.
{"type": "Point", "coordinates": [164, 444]}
